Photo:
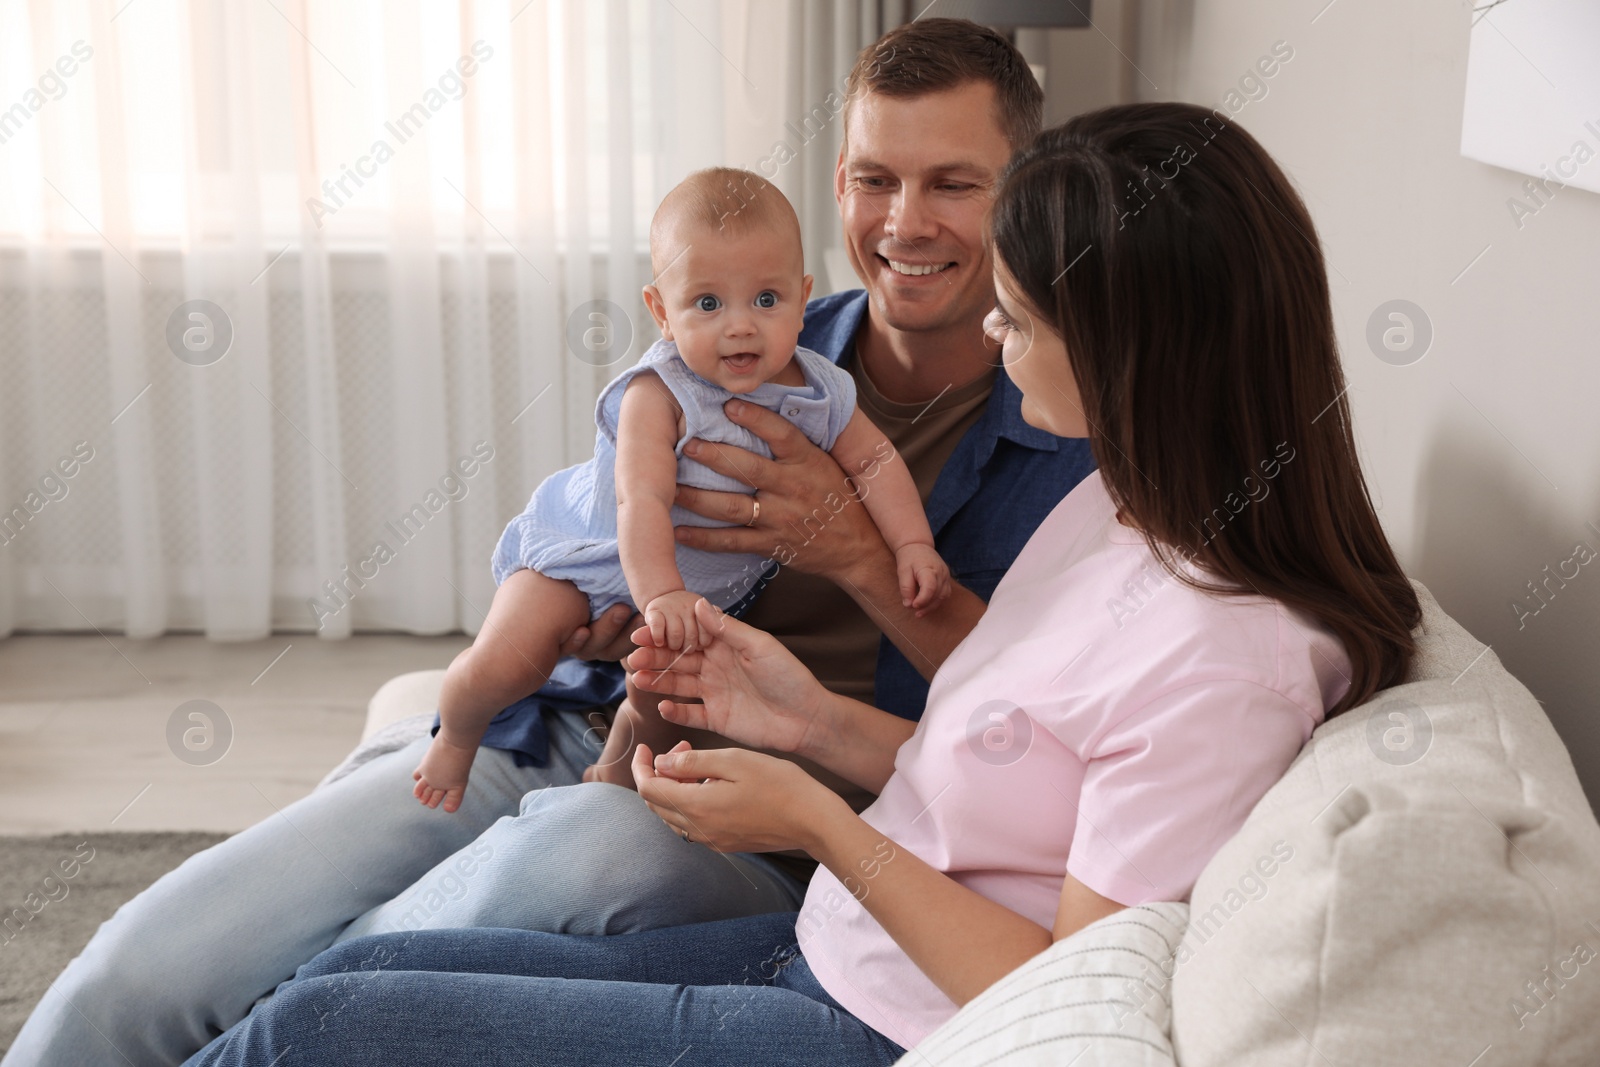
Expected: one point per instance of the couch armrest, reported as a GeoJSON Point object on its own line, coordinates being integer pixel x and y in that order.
{"type": "Point", "coordinates": [401, 697]}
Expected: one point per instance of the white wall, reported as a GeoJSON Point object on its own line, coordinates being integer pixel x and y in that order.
{"type": "Point", "coordinates": [1484, 456]}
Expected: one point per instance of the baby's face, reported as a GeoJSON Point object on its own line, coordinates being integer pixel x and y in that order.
{"type": "Point", "coordinates": [733, 304]}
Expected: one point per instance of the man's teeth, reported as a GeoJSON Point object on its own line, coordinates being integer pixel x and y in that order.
{"type": "Point", "coordinates": [915, 268]}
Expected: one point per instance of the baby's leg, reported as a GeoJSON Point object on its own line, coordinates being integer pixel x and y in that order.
{"type": "Point", "coordinates": [637, 722]}
{"type": "Point", "coordinates": [531, 617]}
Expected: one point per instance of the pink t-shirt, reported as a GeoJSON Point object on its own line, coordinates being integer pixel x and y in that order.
{"type": "Point", "coordinates": [1102, 719]}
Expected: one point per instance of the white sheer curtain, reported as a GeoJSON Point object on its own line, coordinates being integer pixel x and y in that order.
{"type": "Point", "coordinates": [402, 215]}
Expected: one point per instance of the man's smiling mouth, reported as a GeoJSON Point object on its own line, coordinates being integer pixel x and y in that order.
{"type": "Point", "coordinates": [915, 269]}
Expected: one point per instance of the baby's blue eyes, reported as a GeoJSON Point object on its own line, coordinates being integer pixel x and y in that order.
{"type": "Point", "coordinates": [767, 300]}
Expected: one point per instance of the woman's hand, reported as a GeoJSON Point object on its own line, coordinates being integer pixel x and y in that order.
{"type": "Point", "coordinates": [754, 690]}
{"type": "Point", "coordinates": [735, 800]}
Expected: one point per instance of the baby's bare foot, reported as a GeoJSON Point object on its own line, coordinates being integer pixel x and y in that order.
{"type": "Point", "coordinates": [442, 774]}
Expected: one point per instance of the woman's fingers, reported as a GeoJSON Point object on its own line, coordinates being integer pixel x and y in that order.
{"type": "Point", "coordinates": [670, 818]}
{"type": "Point", "coordinates": [664, 659]}
{"type": "Point", "coordinates": [669, 683]}
{"type": "Point", "coordinates": [725, 627]}
{"type": "Point", "coordinates": [693, 764]}
{"type": "Point", "coordinates": [681, 746]}
{"type": "Point", "coordinates": [681, 714]}
{"type": "Point", "coordinates": [659, 791]}
{"type": "Point", "coordinates": [712, 620]}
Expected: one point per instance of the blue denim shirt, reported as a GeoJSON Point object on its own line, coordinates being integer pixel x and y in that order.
{"type": "Point", "coordinates": [998, 485]}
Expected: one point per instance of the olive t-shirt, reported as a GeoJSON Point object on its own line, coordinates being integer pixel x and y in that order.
{"type": "Point", "coordinates": [819, 622]}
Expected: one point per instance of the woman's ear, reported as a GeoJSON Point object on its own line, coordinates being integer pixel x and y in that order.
{"type": "Point", "coordinates": [658, 310]}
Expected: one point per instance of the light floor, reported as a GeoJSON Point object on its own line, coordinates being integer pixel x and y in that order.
{"type": "Point", "coordinates": [84, 725]}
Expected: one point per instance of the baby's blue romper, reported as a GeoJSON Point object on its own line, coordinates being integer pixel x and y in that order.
{"type": "Point", "coordinates": [569, 528]}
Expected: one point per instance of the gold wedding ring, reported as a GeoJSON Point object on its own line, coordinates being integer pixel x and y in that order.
{"type": "Point", "coordinates": [757, 514]}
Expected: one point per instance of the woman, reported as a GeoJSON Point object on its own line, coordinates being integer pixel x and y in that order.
{"type": "Point", "coordinates": [1150, 665]}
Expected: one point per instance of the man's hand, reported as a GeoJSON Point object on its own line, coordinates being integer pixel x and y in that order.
{"type": "Point", "coordinates": [801, 488]}
{"type": "Point", "coordinates": [606, 637]}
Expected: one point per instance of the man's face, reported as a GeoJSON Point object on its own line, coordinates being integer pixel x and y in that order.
{"type": "Point", "coordinates": [913, 183]}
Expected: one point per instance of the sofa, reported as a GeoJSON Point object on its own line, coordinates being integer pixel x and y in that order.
{"type": "Point", "coordinates": [1421, 888]}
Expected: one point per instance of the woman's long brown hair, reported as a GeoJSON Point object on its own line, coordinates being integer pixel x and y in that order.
{"type": "Point", "coordinates": [1183, 273]}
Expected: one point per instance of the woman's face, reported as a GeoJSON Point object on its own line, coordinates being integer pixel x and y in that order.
{"type": "Point", "coordinates": [1036, 359]}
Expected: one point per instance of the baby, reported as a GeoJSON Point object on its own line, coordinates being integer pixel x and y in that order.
{"type": "Point", "coordinates": [729, 297]}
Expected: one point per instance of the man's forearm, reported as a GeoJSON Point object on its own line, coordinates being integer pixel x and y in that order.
{"type": "Point", "coordinates": [925, 642]}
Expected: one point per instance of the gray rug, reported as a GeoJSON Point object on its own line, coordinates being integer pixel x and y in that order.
{"type": "Point", "coordinates": [56, 891]}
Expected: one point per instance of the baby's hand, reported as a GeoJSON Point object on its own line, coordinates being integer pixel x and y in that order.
{"type": "Point", "coordinates": [442, 774]}
{"type": "Point", "coordinates": [672, 621]}
{"type": "Point", "coordinates": [924, 577]}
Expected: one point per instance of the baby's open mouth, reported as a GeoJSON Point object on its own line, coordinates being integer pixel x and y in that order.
{"type": "Point", "coordinates": [742, 361]}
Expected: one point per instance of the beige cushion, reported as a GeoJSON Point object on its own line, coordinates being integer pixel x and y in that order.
{"type": "Point", "coordinates": [1435, 891]}
{"type": "Point", "coordinates": [401, 697]}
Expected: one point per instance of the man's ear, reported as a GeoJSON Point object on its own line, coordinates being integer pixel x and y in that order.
{"type": "Point", "coordinates": [838, 178]}
{"type": "Point", "coordinates": [658, 310]}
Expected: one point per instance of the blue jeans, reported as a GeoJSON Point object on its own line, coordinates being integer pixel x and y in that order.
{"type": "Point", "coordinates": [188, 957]}
{"type": "Point", "coordinates": [735, 992]}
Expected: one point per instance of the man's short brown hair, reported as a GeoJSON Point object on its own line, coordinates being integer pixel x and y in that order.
{"type": "Point", "coordinates": [931, 55]}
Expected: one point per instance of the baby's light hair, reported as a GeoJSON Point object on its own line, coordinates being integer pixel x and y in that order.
{"type": "Point", "coordinates": [725, 200]}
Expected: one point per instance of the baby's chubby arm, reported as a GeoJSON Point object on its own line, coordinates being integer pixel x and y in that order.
{"type": "Point", "coordinates": [647, 483]}
{"type": "Point", "coordinates": [886, 488]}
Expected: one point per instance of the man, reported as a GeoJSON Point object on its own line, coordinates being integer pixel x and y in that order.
{"type": "Point", "coordinates": [934, 111]}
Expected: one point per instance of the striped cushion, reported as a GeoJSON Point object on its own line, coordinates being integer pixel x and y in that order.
{"type": "Point", "coordinates": [1100, 998]}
